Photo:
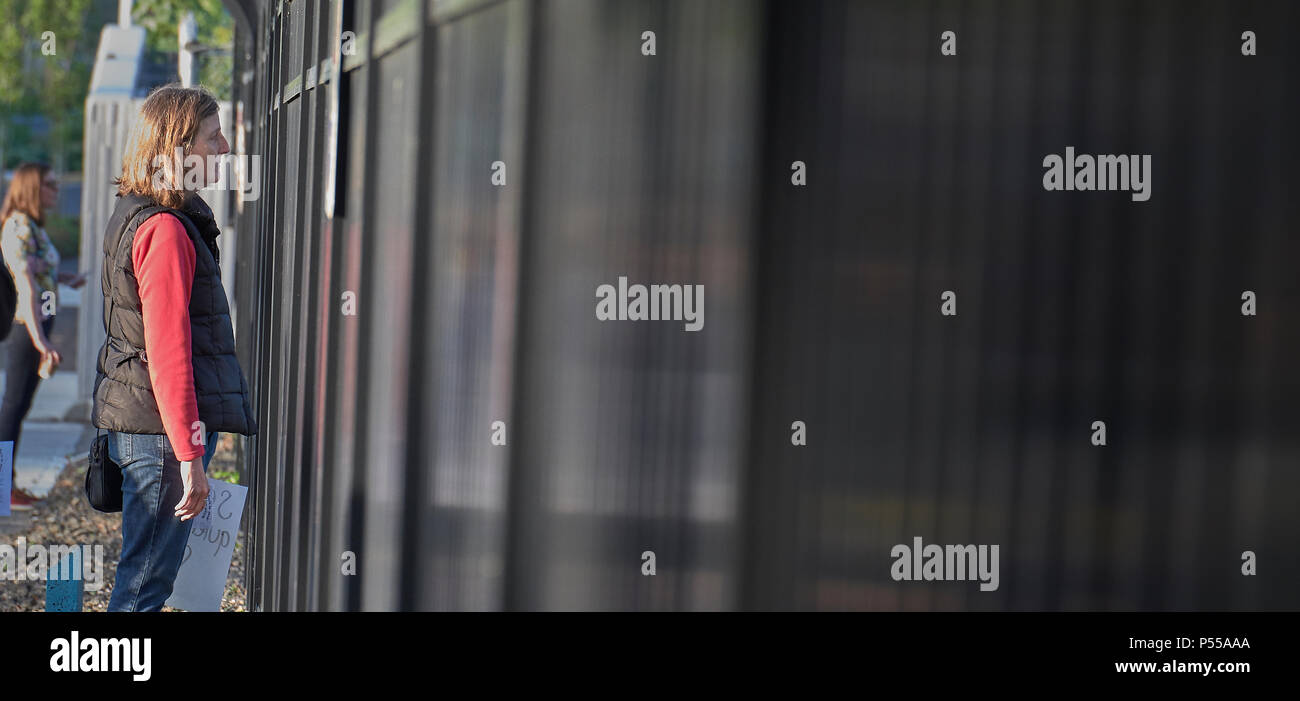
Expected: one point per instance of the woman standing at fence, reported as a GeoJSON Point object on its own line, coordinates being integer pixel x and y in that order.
{"type": "Point", "coordinates": [33, 262]}
{"type": "Point", "coordinates": [167, 372]}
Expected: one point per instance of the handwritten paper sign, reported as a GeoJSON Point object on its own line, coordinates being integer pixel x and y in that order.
{"type": "Point", "coordinates": [206, 563]}
{"type": "Point", "coordinates": [6, 475]}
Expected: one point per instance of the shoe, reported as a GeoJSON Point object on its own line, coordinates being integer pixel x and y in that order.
{"type": "Point", "coordinates": [21, 500]}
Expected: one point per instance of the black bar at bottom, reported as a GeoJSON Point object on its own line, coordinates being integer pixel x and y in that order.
{"type": "Point", "coordinates": [380, 649]}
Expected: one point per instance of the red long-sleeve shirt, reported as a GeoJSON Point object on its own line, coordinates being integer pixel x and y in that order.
{"type": "Point", "coordinates": [164, 261]}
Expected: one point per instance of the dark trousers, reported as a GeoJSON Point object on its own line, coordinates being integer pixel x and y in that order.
{"type": "Point", "coordinates": [21, 380]}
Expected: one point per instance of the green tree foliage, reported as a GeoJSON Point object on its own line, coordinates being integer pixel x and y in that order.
{"type": "Point", "coordinates": [161, 20]}
{"type": "Point", "coordinates": [35, 85]}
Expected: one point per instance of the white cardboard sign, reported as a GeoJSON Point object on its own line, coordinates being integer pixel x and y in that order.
{"type": "Point", "coordinates": [201, 581]}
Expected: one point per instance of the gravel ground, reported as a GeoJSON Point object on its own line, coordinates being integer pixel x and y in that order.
{"type": "Point", "coordinates": [64, 518]}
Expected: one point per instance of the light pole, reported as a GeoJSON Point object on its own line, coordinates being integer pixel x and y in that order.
{"type": "Point", "coordinates": [190, 47]}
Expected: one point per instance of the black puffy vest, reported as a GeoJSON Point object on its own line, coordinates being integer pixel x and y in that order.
{"type": "Point", "coordinates": [124, 399]}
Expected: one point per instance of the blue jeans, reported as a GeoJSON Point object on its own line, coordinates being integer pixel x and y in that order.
{"type": "Point", "coordinates": [153, 537]}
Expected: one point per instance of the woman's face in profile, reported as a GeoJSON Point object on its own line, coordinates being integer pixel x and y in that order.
{"type": "Point", "coordinates": [210, 143]}
{"type": "Point", "coordinates": [49, 191]}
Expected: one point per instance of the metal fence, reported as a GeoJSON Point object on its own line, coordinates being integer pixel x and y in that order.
{"type": "Point", "coordinates": [396, 302]}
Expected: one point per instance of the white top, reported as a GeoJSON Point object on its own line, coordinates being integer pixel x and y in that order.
{"type": "Point", "coordinates": [21, 237]}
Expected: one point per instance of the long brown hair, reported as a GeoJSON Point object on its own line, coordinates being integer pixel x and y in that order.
{"type": "Point", "coordinates": [24, 193]}
{"type": "Point", "coordinates": [169, 119]}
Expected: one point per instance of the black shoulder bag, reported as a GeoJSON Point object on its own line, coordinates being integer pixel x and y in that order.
{"type": "Point", "coordinates": [103, 478]}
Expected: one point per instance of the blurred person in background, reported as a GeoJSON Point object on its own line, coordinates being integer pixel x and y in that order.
{"type": "Point", "coordinates": [167, 372]}
{"type": "Point", "coordinates": [33, 262]}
